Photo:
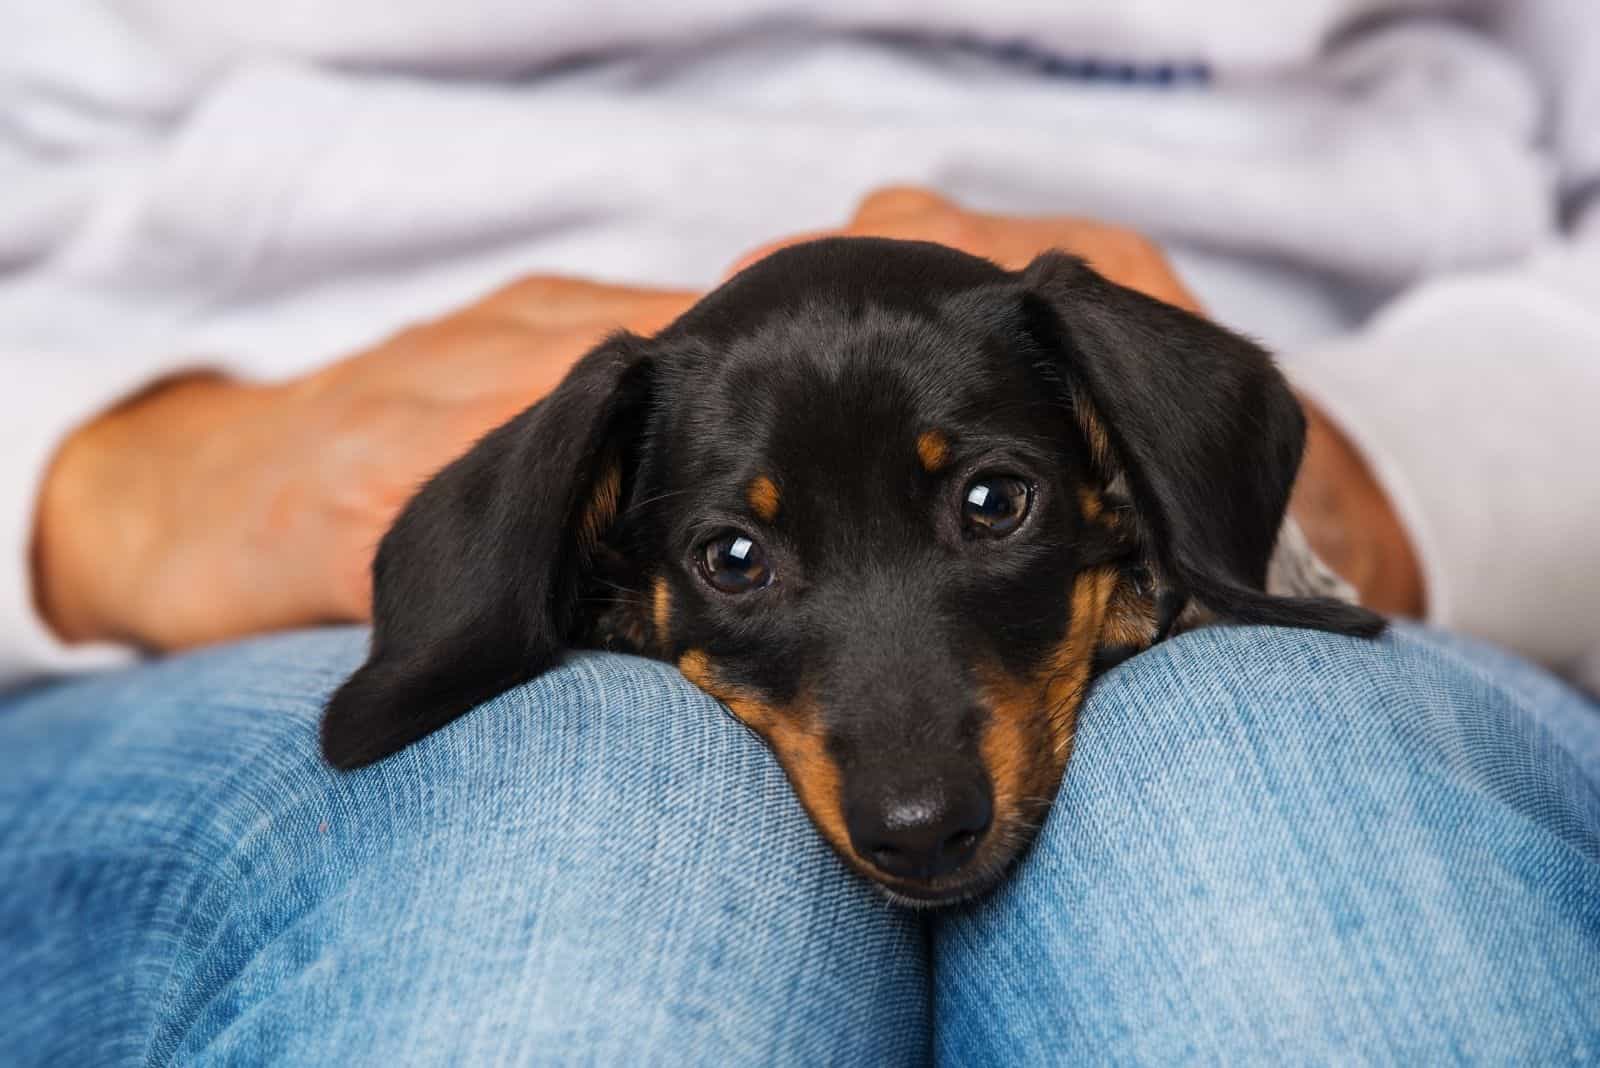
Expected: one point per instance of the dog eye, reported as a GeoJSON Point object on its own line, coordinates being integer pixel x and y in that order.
{"type": "Point", "coordinates": [735, 563]}
{"type": "Point", "coordinates": [995, 505]}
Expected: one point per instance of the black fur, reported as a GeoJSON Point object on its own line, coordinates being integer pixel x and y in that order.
{"type": "Point", "coordinates": [475, 587]}
{"type": "Point", "coordinates": [1208, 435]}
{"type": "Point", "coordinates": [819, 366]}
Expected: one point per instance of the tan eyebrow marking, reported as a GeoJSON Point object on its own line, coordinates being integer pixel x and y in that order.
{"type": "Point", "coordinates": [762, 493]}
{"type": "Point", "coordinates": [933, 449]}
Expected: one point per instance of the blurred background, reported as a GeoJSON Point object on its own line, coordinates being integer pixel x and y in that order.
{"type": "Point", "coordinates": [288, 179]}
{"type": "Point", "coordinates": [1397, 197]}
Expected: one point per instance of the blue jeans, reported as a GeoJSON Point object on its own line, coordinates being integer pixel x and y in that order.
{"type": "Point", "coordinates": [1271, 846]}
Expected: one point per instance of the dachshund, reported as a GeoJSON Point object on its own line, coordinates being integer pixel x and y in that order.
{"type": "Point", "coordinates": [894, 506]}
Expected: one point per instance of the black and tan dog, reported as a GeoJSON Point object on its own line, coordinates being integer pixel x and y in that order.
{"type": "Point", "coordinates": [892, 505]}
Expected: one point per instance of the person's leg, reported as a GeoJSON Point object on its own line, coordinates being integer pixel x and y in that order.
{"type": "Point", "coordinates": [602, 866]}
{"type": "Point", "coordinates": [1285, 847]}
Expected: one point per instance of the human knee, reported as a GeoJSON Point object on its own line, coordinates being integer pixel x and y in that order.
{"type": "Point", "coordinates": [1317, 720]}
{"type": "Point", "coordinates": [605, 758]}
{"type": "Point", "coordinates": [618, 725]}
{"type": "Point", "coordinates": [1299, 686]}
{"type": "Point", "coordinates": [522, 860]}
{"type": "Point", "coordinates": [592, 740]}
{"type": "Point", "coordinates": [1258, 809]}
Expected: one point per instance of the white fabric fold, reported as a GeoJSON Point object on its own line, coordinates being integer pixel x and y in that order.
{"type": "Point", "coordinates": [1477, 405]}
{"type": "Point", "coordinates": [269, 187]}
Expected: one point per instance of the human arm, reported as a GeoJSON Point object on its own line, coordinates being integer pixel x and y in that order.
{"type": "Point", "coordinates": [207, 508]}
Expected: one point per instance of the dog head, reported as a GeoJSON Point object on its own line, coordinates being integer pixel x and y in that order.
{"type": "Point", "coordinates": [892, 505]}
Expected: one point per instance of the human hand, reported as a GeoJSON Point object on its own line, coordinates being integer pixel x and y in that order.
{"type": "Point", "coordinates": [207, 509]}
{"type": "Point", "coordinates": [1343, 511]}
{"type": "Point", "coordinates": [913, 214]}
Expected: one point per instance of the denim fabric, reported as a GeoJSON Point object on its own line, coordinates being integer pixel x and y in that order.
{"type": "Point", "coordinates": [1285, 848]}
{"type": "Point", "coordinates": [602, 867]}
{"type": "Point", "coordinates": [1272, 846]}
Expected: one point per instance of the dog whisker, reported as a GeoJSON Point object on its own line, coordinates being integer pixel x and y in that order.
{"type": "Point", "coordinates": [620, 588]}
{"type": "Point", "coordinates": [656, 499]}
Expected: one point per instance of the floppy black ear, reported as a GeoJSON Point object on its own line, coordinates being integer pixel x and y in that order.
{"type": "Point", "coordinates": [1201, 425]}
{"type": "Point", "coordinates": [475, 587]}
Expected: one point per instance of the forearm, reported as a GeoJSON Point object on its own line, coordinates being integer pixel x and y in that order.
{"type": "Point", "coordinates": [204, 508]}
{"type": "Point", "coordinates": [108, 498]}
{"type": "Point", "coordinates": [1351, 524]}
{"type": "Point", "coordinates": [59, 394]}
{"type": "Point", "coordinates": [1472, 404]}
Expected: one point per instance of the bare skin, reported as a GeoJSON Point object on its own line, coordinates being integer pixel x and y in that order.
{"type": "Point", "coordinates": [206, 509]}
{"type": "Point", "coordinates": [1349, 521]}
{"type": "Point", "coordinates": [914, 214]}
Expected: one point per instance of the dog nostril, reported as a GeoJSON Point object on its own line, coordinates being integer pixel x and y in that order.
{"type": "Point", "coordinates": [922, 838]}
{"type": "Point", "coordinates": [961, 840]}
{"type": "Point", "coordinates": [886, 857]}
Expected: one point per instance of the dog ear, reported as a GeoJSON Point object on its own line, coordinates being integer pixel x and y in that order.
{"type": "Point", "coordinates": [1200, 424]}
{"type": "Point", "coordinates": [475, 586]}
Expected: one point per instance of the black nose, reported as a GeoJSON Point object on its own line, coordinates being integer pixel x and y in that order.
{"type": "Point", "coordinates": [921, 834]}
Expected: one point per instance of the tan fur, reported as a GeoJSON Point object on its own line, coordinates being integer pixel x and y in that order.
{"type": "Point", "coordinates": [762, 493]}
{"type": "Point", "coordinates": [601, 510]}
{"type": "Point", "coordinates": [1094, 432]}
{"type": "Point", "coordinates": [1091, 503]}
{"type": "Point", "coordinates": [1032, 720]}
{"type": "Point", "coordinates": [793, 734]}
{"type": "Point", "coordinates": [661, 611]}
{"type": "Point", "coordinates": [1130, 618]}
{"type": "Point", "coordinates": [933, 450]}
{"type": "Point", "coordinates": [1066, 675]}
{"type": "Point", "coordinates": [1012, 745]}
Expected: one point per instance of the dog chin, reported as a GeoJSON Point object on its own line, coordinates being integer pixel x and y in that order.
{"type": "Point", "coordinates": [912, 896]}
{"type": "Point", "coordinates": [935, 899]}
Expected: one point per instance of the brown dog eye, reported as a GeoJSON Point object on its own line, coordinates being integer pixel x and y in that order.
{"type": "Point", "coordinates": [735, 563]}
{"type": "Point", "coordinates": [995, 505]}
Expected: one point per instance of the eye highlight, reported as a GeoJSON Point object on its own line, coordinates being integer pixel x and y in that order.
{"type": "Point", "coordinates": [734, 562]}
{"type": "Point", "coordinates": [993, 506]}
